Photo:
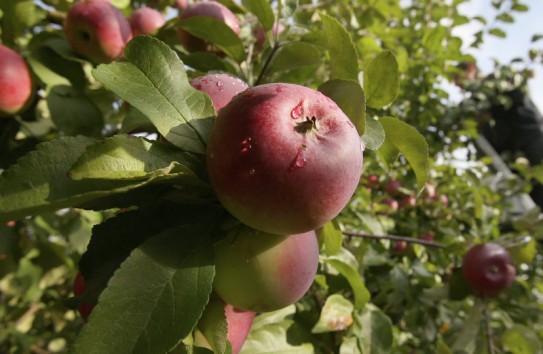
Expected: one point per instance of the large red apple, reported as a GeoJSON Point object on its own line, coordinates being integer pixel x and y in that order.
{"type": "Point", "coordinates": [97, 30]}
{"type": "Point", "coordinates": [145, 21]}
{"type": "Point", "coordinates": [283, 158]}
{"type": "Point", "coordinates": [207, 8]}
{"type": "Point", "coordinates": [262, 272]}
{"type": "Point", "coordinates": [15, 82]}
{"type": "Point", "coordinates": [488, 268]}
{"type": "Point", "coordinates": [221, 88]}
{"type": "Point", "coordinates": [78, 289]}
{"type": "Point", "coordinates": [239, 322]}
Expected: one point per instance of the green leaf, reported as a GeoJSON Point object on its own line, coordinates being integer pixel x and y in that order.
{"type": "Point", "coordinates": [204, 61]}
{"type": "Point", "coordinates": [332, 238]}
{"type": "Point", "coordinates": [349, 96]}
{"type": "Point", "coordinates": [285, 337]}
{"type": "Point", "coordinates": [214, 327]}
{"type": "Point", "coordinates": [374, 134]}
{"type": "Point", "coordinates": [262, 10]}
{"type": "Point", "coordinates": [294, 55]}
{"type": "Point", "coordinates": [128, 157]}
{"type": "Point", "coordinates": [153, 80]}
{"type": "Point", "coordinates": [520, 7]}
{"type": "Point", "coordinates": [361, 294]}
{"type": "Point", "coordinates": [497, 32]}
{"type": "Point", "coordinates": [411, 144]}
{"type": "Point", "coordinates": [39, 180]}
{"type": "Point", "coordinates": [73, 113]}
{"type": "Point", "coordinates": [433, 38]}
{"type": "Point", "coordinates": [217, 33]}
{"type": "Point", "coordinates": [505, 17]}
{"type": "Point", "coordinates": [381, 80]}
{"type": "Point", "coordinates": [336, 315]}
{"type": "Point", "coordinates": [520, 339]}
{"type": "Point", "coordinates": [338, 42]}
{"type": "Point", "coordinates": [19, 16]}
{"type": "Point", "coordinates": [536, 37]}
{"type": "Point", "coordinates": [466, 339]}
{"type": "Point", "coordinates": [376, 333]}
{"type": "Point", "coordinates": [155, 299]}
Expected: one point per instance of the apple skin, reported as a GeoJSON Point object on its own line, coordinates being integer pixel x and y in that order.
{"type": "Point", "coordinates": [15, 82]}
{"type": "Point", "coordinates": [145, 21]}
{"type": "Point", "coordinates": [408, 202]}
{"type": "Point", "coordinates": [489, 269]}
{"type": "Point", "coordinates": [181, 4]}
{"type": "Point", "coordinates": [211, 9]}
{"type": "Point", "coordinates": [221, 88]}
{"type": "Point", "coordinates": [283, 158]}
{"type": "Point", "coordinates": [261, 272]}
{"type": "Point", "coordinates": [97, 30]}
{"type": "Point", "coordinates": [78, 289]}
{"type": "Point", "coordinates": [239, 323]}
{"type": "Point", "coordinates": [392, 188]}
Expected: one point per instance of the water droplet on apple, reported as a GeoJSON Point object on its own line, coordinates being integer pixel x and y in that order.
{"type": "Point", "coordinates": [298, 111]}
{"type": "Point", "coordinates": [220, 83]}
{"type": "Point", "coordinates": [246, 145]}
{"type": "Point", "coordinates": [252, 171]}
{"type": "Point", "coordinates": [300, 160]}
{"type": "Point", "coordinates": [279, 89]}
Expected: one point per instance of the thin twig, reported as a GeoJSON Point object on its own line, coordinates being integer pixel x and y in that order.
{"type": "Point", "coordinates": [488, 330]}
{"type": "Point", "coordinates": [267, 63]}
{"type": "Point", "coordinates": [395, 238]}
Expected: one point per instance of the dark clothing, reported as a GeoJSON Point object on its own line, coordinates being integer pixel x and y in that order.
{"type": "Point", "coordinates": [517, 127]}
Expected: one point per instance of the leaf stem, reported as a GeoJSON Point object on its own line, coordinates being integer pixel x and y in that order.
{"type": "Point", "coordinates": [488, 330]}
{"type": "Point", "coordinates": [395, 238]}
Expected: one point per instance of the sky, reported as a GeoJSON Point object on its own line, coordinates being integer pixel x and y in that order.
{"type": "Point", "coordinates": [516, 44]}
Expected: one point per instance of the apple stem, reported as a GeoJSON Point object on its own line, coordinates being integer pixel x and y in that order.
{"type": "Point", "coordinates": [395, 238]}
{"type": "Point", "coordinates": [488, 330]}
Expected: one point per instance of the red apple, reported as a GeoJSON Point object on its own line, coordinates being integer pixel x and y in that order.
{"type": "Point", "coordinates": [181, 4]}
{"type": "Point", "coordinates": [260, 36]}
{"type": "Point", "coordinates": [78, 289]}
{"type": "Point", "coordinates": [15, 82]}
{"type": "Point", "coordinates": [409, 201]}
{"type": "Point", "coordinates": [429, 236]}
{"type": "Point", "coordinates": [97, 30]}
{"type": "Point", "coordinates": [221, 88]}
{"type": "Point", "coordinates": [283, 158]}
{"type": "Point", "coordinates": [373, 181]}
{"type": "Point", "coordinates": [393, 186]}
{"type": "Point", "coordinates": [400, 246]}
{"type": "Point", "coordinates": [146, 21]}
{"type": "Point", "coordinates": [239, 323]}
{"type": "Point", "coordinates": [391, 203]}
{"type": "Point", "coordinates": [444, 200]}
{"type": "Point", "coordinates": [207, 8]}
{"type": "Point", "coordinates": [262, 272]}
{"type": "Point", "coordinates": [488, 268]}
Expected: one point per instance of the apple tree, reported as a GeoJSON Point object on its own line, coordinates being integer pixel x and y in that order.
{"type": "Point", "coordinates": [259, 177]}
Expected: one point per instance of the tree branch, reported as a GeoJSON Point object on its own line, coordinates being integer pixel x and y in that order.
{"type": "Point", "coordinates": [488, 331]}
{"type": "Point", "coordinates": [395, 238]}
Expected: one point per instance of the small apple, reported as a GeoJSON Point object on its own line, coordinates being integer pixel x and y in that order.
{"type": "Point", "coordinates": [212, 9]}
{"type": "Point", "coordinates": [181, 4]}
{"type": "Point", "coordinates": [15, 82]}
{"type": "Point", "coordinates": [391, 203]}
{"type": "Point", "coordinates": [444, 200]}
{"type": "Point", "coordinates": [429, 236]}
{"type": "Point", "coordinates": [221, 88]}
{"type": "Point", "coordinates": [430, 193]}
{"type": "Point", "coordinates": [261, 272]}
{"type": "Point", "coordinates": [488, 268]}
{"type": "Point", "coordinates": [97, 30]}
{"type": "Point", "coordinates": [283, 158]}
{"type": "Point", "coordinates": [239, 323]}
{"type": "Point", "coordinates": [145, 21]}
{"type": "Point", "coordinates": [392, 188]}
{"type": "Point", "coordinates": [78, 289]}
{"type": "Point", "coordinates": [408, 201]}
{"type": "Point", "coordinates": [400, 246]}
{"type": "Point", "coordinates": [260, 36]}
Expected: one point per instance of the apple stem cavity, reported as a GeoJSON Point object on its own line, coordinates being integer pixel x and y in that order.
{"type": "Point", "coordinates": [307, 125]}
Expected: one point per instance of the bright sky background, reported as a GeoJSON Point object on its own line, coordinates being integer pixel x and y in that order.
{"type": "Point", "coordinates": [516, 44]}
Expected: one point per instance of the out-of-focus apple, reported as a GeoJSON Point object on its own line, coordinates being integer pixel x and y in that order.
{"type": "Point", "coordinates": [78, 289]}
{"type": "Point", "coordinates": [409, 201]}
{"type": "Point", "coordinates": [212, 9]}
{"type": "Point", "coordinates": [260, 36]}
{"type": "Point", "coordinates": [392, 188]}
{"type": "Point", "coordinates": [15, 82]}
{"type": "Point", "coordinates": [146, 21]}
{"type": "Point", "coordinates": [97, 30]}
{"type": "Point", "coordinates": [221, 88]}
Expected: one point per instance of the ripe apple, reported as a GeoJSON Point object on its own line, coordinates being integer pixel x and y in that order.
{"type": "Point", "coordinates": [283, 158]}
{"type": "Point", "coordinates": [145, 21]}
{"type": "Point", "coordinates": [373, 181]}
{"type": "Point", "coordinates": [239, 323]}
{"type": "Point", "coordinates": [429, 236]}
{"type": "Point", "coordinates": [392, 188]}
{"type": "Point", "coordinates": [15, 82]}
{"type": "Point", "coordinates": [78, 289]}
{"type": "Point", "coordinates": [210, 9]}
{"type": "Point", "coordinates": [409, 201]}
{"type": "Point", "coordinates": [261, 272]}
{"type": "Point", "coordinates": [181, 4]}
{"type": "Point", "coordinates": [221, 88]}
{"type": "Point", "coordinates": [391, 203]}
{"type": "Point", "coordinates": [400, 246]}
{"type": "Point", "coordinates": [488, 268]}
{"type": "Point", "coordinates": [97, 30]}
